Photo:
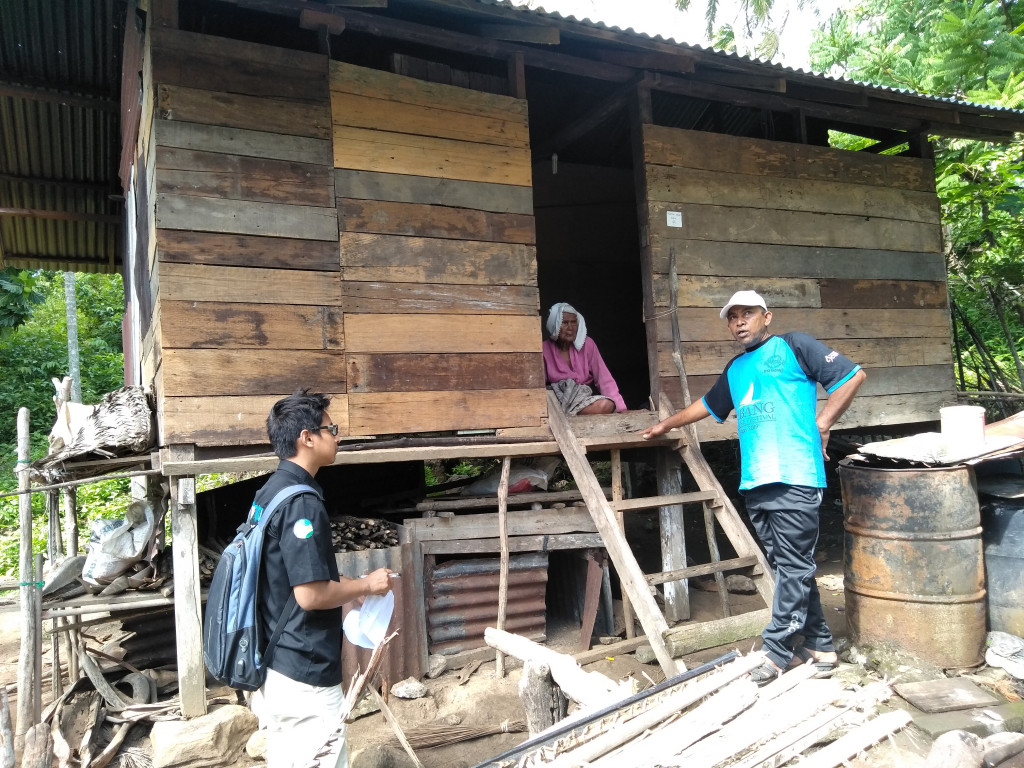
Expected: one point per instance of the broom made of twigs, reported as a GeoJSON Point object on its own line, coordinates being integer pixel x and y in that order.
{"type": "Point", "coordinates": [441, 735]}
{"type": "Point", "coordinates": [355, 692]}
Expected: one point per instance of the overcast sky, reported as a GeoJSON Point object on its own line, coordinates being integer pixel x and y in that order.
{"type": "Point", "coordinates": [660, 17]}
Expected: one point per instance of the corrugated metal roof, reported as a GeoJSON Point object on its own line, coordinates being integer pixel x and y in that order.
{"type": "Point", "coordinates": [761, 63]}
{"type": "Point", "coordinates": [60, 73]}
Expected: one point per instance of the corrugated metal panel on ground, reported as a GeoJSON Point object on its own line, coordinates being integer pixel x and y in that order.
{"type": "Point", "coordinates": [462, 600]}
{"type": "Point", "coordinates": [406, 654]}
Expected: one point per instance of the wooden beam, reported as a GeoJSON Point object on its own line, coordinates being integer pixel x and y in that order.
{"type": "Point", "coordinates": [77, 186]}
{"type": "Point", "coordinates": [422, 34]}
{"type": "Point", "coordinates": [680, 63]}
{"type": "Point", "coordinates": [581, 127]}
{"type": "Point", "coordinates": [706, 569]}
{"type": "Point", "coordinates": [520, 33]}
{"type": "Point", "coordinates": [333, 22]}
{"type": "Point", "coordinates": [650, 502]}
{"type": "Point", "coordinates": [34, 213]}
{"type": "Point", "coordinates": [747, 80]}
{"type": "Point", "coordinates": [631, 577]}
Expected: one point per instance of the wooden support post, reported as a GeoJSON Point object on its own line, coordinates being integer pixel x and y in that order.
{"type": "Point", "coordinates": [26, 717]}
{"type": "Point", "coordinates": [716, 557]}
{"type": "Point", "coordinates": [506, 463]}
{"type": "Point", "coordinates": [516, 75]}
{"type": "Point", "coordinates": [592, 598]}
{"type": "Point", "coordinates": [188, 616]}
{"type": "Point", "coordinates": [54, 541]}
{"type": "Point", "coordinates": [673, 537]}
{"type": "Point", "coordinates": [627, 608]}
{"type": "Point", "coordinates": [542, 700]}
{"type": "Point", "coordinates": [37, 655]}
{"type": "Point", "coordinates": [71, 519]}
{"type": "Point", "coordinates": [38, 746]}
{"type": "Point", "coordinates": [6, 731]}
{"type": "Point", "coordinates": [630, 575]}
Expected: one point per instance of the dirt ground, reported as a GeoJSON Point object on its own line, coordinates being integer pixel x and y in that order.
{"type": "Point", "coordinates": [484, 701]}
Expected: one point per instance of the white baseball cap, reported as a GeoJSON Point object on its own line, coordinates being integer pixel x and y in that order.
{"type": "Point", "coordinates": [743, 299]}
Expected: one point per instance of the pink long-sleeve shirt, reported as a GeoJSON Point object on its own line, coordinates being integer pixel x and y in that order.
{"type": "Point", "coordinates": [585, 366]}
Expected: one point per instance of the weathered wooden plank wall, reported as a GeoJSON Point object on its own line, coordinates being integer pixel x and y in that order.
{"type": "Point", "coordinates": [438, 256]}
{"type": "Point", "coordinates": [247, 277]}
{"type": "Point", "coordinates": [845, 246]}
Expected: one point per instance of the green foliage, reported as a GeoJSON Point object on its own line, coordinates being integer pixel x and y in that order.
{"type": "Point", "coordinates": [36, 351]}
{"type": "Point", "coordinates": [18, 294]}
{"type": "Point", "coordinates": [973, 50]}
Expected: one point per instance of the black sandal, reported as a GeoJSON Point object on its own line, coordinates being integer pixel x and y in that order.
{"type": "Point", "coordinates": [764, 674]}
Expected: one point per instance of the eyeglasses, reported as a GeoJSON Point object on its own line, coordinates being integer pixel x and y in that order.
{"type": "Point", "coordinates": [332, 428]}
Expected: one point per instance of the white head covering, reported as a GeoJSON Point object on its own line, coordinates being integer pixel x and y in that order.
{"type": "Point", "coordinates": [554, 323]}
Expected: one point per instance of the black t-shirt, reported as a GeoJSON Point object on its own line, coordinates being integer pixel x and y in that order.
{"type": "Point", "coordinates": [298, 550]}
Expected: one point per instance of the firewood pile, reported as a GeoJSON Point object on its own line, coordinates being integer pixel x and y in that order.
{"type": "Point", "coordinates": [717, 718]}
{"type": "Point", "coordinates": [355, 534]}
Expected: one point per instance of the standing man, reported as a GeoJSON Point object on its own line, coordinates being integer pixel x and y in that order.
{"type": "Point", "coordinates": [772, 386]}
{"type": "Point", "coordinates": [300, 702]}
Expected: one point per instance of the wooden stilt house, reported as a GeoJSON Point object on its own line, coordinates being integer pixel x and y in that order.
{"type": "Point", "coordinates": [376, 199]}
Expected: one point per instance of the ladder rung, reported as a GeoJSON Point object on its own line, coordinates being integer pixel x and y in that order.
{"type": "Point", "coordinates": [650, 502]}
{"type": "Point", "coordinates": [701, 570]}
{"type": "Point", "coordinates": [674, 437]}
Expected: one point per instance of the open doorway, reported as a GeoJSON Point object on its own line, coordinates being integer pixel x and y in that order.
{"type": "Point", "coordinates": [588, 254]}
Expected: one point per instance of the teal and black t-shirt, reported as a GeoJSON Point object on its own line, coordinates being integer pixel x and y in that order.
{"type": "Point", "coordinates": [773, 388]}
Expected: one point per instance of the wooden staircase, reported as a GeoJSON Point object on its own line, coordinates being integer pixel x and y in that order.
{"type": "Point", "coordinates": [575, 436]}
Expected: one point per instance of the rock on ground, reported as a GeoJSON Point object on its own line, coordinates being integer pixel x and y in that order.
{"type": "Point", "coordinates": [213, 740]}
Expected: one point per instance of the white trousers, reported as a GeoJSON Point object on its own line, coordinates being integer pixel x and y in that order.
{"type": "Point", "coordinates": [298, 718]}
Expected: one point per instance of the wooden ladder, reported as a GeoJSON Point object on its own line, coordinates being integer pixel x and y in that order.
{"type": "Point", "coordinates": [608, 518]}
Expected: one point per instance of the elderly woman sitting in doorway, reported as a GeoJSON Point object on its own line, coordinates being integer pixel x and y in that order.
{"type": "Point", "coordinates": [574, 368]}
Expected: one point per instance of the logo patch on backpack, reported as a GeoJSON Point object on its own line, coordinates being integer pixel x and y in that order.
{"type": "Point", "coordinates": [303, 529]}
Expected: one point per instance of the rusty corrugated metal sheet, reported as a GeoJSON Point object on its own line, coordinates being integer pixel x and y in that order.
{"type": "Point", "coordinates": [406, 654]}
{"type": "Point", "coordinates": [60, 131]}
{"type": "Point", "coordinates": [462, 600]}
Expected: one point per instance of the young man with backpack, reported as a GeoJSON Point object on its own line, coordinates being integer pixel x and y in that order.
{"type": "Point", "coordinates": [300, 701]}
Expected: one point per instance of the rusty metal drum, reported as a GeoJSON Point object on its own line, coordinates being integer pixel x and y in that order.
{"type": "Point", "coordinates": [914, 569]}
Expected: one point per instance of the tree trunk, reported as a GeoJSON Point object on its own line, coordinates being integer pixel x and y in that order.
{"type": "Point", "coordinates": [542, 699]}
{"type": "Point", "coordinates": [997, 303]}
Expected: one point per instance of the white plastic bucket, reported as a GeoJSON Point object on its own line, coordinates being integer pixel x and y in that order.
{"type": "Point", "coordinates": [963, 426]}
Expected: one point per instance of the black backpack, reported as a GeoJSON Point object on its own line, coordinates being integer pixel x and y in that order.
{"type": "Point", "coordinates": [231, 628]}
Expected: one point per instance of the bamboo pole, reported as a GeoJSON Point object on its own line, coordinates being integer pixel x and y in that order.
{"type": "Point", "coordinates": [26, 717]}
{"type": "Point", "coordinates": [499, 657]}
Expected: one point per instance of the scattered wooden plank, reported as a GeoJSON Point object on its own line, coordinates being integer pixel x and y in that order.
{"type": "Point", "coordinates": [585, 688]}
{"type": "Point", "coordinates": [690, 638]}
{"type": "Point", "coordinates": [389, 297]}
{"type": "Point", "coordinates": [348, 78]}
{"type": "Point", "coordinates": [241, 372]}
{"type": "Point", "coordinates": [231, 420]}
{"type": "Point", "coordinates": [674, 184]}
{"type": "Point", "coordinates": [545, 543]}
{"type": "Point", "coordinates": [443, 372]}
{"type": "Point", "coordinates": [249, 251]}
{"type": "Point", "coordinates": [521, 522]}
{"type": "Point", "coordinates": [231, 110]}
{"type": "Point", "coordinates": [402, 412]}
{"type": "Point", "coordinates": [705, 325]}
{"type": "Point", "coordinates": [241, 141]}
{"type": "Point", "coordinates": [442, 122]}
{"type": "Point", "coordinates": [454, 193]}
{"type": "Point", "coordinates": [704, 150]}
{"type": "Point", "coordinates": [234, 326]}
{"type": "Point", "coordinates": [847, 746]}
{"type": "Point", "coordinates": [236, 177]}
{"type": "Point", "coordinates": [360, 149]}
{"type": "Point", "coordinates": [757, 259]}
{"type": "Point", "coordinates": [418, 220]}
{"type": "Point", "coordinates": [442, 333]}
{"type": "Point", "coordinates": [946, 695]}
{"type": "Point", "coordinates": [248, 285]}
{"type": "Point", "coordinates": [245, 217]}
{"type": "Point", "coordinates": [724, 223]}
{"type": "Point", "coordinates": [710, 358]}
{"type": "Point", "coordinates": [371, 257]}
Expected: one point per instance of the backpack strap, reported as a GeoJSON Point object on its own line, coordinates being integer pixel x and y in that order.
{"type": "Point", "coordinates": [289, 607]}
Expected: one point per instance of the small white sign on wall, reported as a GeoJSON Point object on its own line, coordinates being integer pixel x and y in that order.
{"type": "Point", "coordinates": [674, 218]}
